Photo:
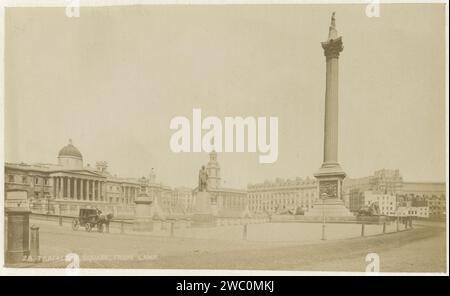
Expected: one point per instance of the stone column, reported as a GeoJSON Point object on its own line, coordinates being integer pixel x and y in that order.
{"type": "Point", "coordinates": [75, 189]}
{"type": "Point", "coordinates": [332, 48]}
{"type": "Point", "coordinates": [69, 188]}
{"type": "Point", "coordinates": [100, 196]}
{"type": "Point", "coordinates": [54, 187]}
{"type": "Point", "coordinates": [330, 175]}
{"type": "Point", "coordinates": [55, 183]}
{"type": "Point", "coordinates": [82, 196]}
{"type": "Point", "coordinates": [66, 187]}
{"type": "Point", "coordinates": [95, 190]}
{"type": "Point", "coordinates": [88, 189]}
{"type": "Point", "coordinates": [60, 192]}
{"type": "Point", "coordinates": [72, 188]}
{"type": "Point", "coordinates": [104, 192]}
{"type": "Point", "coordinates": [100, 190]}
{"type": "Point", "coordinates": [92, 189]}
{"type": "Point", "coordinates": [64, 182]}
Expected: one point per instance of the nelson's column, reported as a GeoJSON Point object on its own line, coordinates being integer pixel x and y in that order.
{"type": "Point", "coordinates": [330, 175]}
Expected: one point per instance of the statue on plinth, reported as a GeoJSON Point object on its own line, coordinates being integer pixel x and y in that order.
{"type": "Point", "coordinates": [202, 179]}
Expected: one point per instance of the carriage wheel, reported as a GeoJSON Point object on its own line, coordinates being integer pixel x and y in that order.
{"type": "Point", "coordinates": [88, 227]}
{"type": "Point", "coordinates": [100, 227]}
{"type": "Point", "coordinates": [75, 224]}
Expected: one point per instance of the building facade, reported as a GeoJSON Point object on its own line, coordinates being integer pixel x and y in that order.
{"type": "Point", "coordinates": [408, 195]}
{"type": "Point", "coordinates": [419, 212]}
{"type": "Point", "coordinates": [282, 195]}
{"type": "Point", "coordinates": [387, 202]}
{"type": "Point", "coordinates": [382, 181]}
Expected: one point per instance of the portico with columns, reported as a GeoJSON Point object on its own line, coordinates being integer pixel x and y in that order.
{"type": "Point", "coordinates": [79, 186]}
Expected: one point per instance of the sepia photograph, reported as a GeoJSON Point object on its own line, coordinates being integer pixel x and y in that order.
{"type": "Point", "coordinates": [167, 138]}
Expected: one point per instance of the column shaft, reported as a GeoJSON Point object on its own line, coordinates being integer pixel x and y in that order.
{"type": "Point", "coordinates": [64, 185]}
{"type": "Point", "coordinates": [75, 187]}
{"type": "Point", "coordinates": [82, 196]}
{"type": "Point", "coordinates": [89, 189]}
{"type": "Point", "coordinates": [94, 190]}
{"type": "Point", "coordinates": [331, 111]}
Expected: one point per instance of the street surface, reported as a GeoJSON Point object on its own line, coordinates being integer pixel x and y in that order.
{"type": "Point", "coordinates": [422, 249]}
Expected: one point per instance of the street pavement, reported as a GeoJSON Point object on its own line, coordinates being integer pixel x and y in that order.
{"type": "Point", "coordinates": [421, 249]}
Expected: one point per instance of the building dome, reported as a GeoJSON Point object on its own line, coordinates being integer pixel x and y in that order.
{"type": "Point", "coordinates": [70, 151]}
{"type": "Point", "coordinates": [69, 157]}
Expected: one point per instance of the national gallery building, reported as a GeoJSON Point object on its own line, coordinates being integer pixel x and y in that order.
{"type": "Point", "coordinates": [64, 187]}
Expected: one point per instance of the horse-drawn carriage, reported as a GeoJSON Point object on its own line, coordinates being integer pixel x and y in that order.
{"type": "Point", "coordinates": [91, 218]}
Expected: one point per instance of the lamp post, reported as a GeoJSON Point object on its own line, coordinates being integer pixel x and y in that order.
{"type": "Point", "coordinates": [323, 197]}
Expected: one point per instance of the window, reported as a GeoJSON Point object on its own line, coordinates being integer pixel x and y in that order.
{"type": "Point", "coordinates": [24, 179]}
{"type": "Point", "coordinates": [46, 181]}
{"type": "Point", "coordinates": [36, 180]}
{"type": "Point", "coordinates": [11, 178]}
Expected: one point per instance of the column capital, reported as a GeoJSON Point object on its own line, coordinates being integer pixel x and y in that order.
{"type": "Point", "coordinates": [332, 48]}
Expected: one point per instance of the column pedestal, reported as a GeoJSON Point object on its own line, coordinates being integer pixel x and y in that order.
{"type": "Point", "coordinates": [330, 177]}
{"type": "Point", "coordinates": [143, 215]}
{"type": "Point", "coordinates": [204, 214]}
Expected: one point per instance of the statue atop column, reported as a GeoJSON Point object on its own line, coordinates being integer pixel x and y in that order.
{"type": "Point", "coordinates": [332, 34]}
{"type": "Point", "coordinates": [202, 179]}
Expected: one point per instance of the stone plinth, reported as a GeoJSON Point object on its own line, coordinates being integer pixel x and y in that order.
{"type": "Point", "coordinates": [330, 202]}
{"type": "Point", "coordinates": [156, 212]}
{"type": "Point", "coordinates": [202, 203]}
{"type": "Point", "coordinates": [332, 208]}
{"type": "Point", "coordinates": [204, 213]}
{"type": "Point", "coordinates": [18, 235]}
{"type": "Point", "coordinates": [143, 215]}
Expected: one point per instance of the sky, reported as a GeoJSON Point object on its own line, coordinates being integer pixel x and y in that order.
{"type": "Point", "coordinates": [112, 79]}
